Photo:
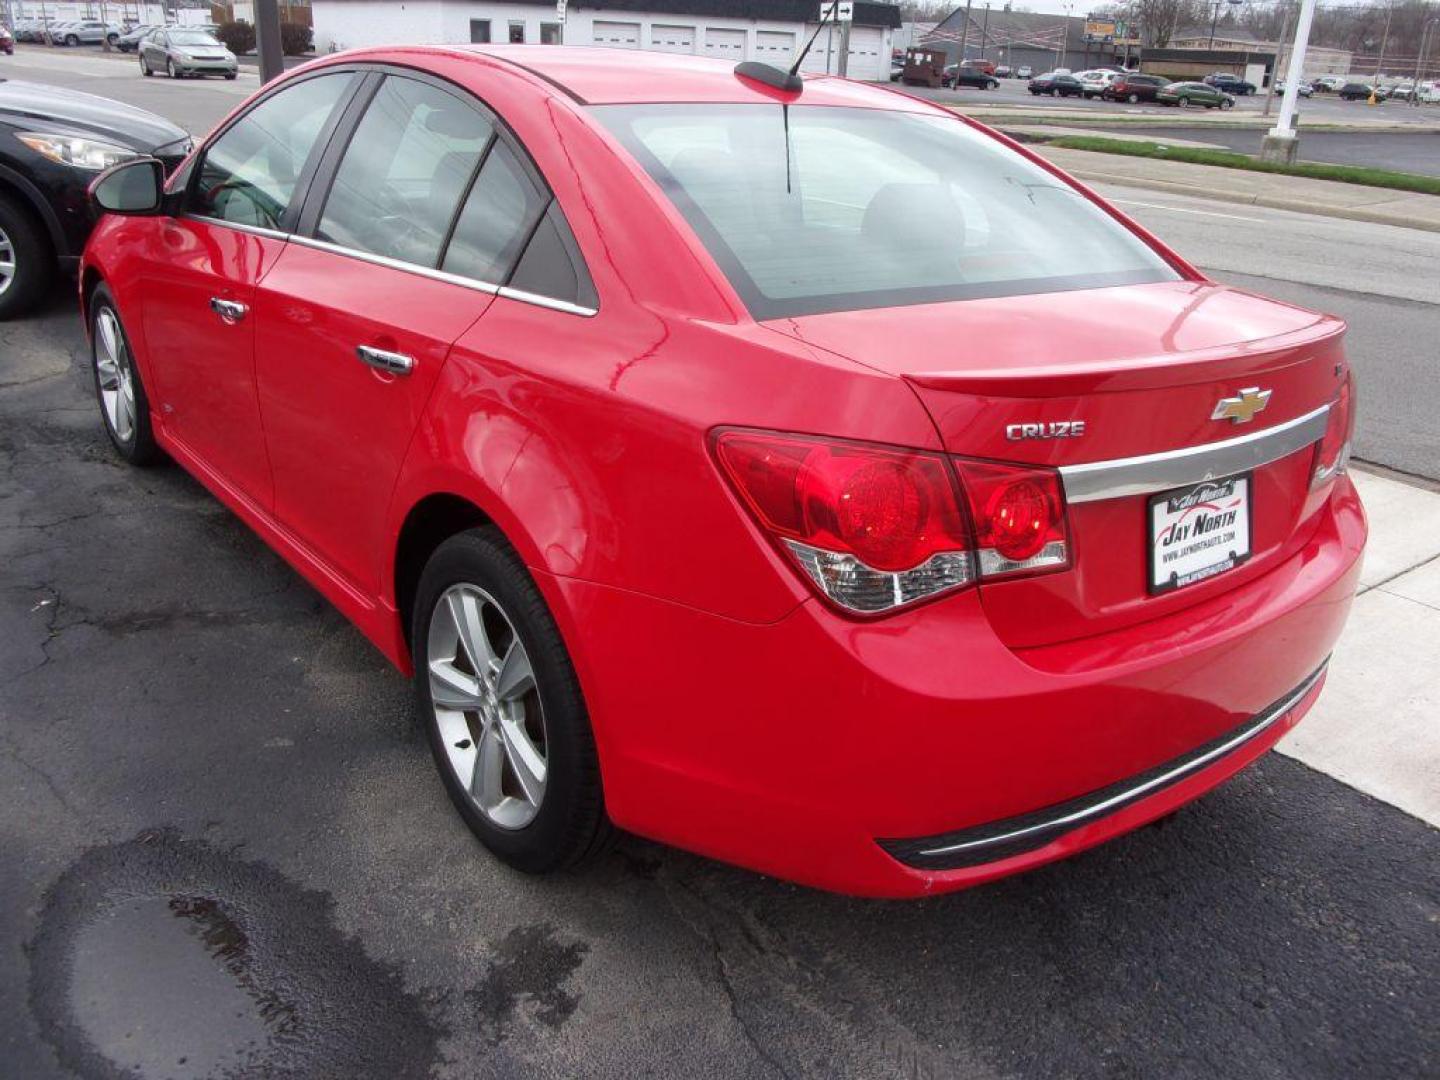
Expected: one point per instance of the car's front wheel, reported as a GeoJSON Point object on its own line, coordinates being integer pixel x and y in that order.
{"type": "Point", "coordinates": [502, 707]}
{"type": "Point", "coordinates": [1227, 104]}
{"type": "Point", "coordinates": [170, 69]}
{"type": "Point", "coordinates": [26, 263]}
{"type": "Point", "coordinates": [118, 386]}
{"type": "Point", "coordinates": [1133, 99]}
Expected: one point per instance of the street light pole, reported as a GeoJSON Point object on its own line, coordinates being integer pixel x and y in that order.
{"type": "Point", "coordinates": [1420, 58]}
{"type": "Point", "coordinates": [1282, 141]}
{"type": "Point", "coordinates": [1279, 53]}
{"type": "Point", "coordinates": [964, 36]}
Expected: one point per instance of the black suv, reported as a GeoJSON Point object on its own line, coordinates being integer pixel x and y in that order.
{"type": "Point", "coordinates": [1231, 84]}
{"type": "Point", "coordinates": [53, 143]}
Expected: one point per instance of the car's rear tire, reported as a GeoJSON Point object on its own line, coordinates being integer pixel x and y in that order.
{"type": "Point", "coordinates": [124, 406]}
{"type": "Point", "coordinates": [511, 736]}
{"type": "Point", "coordinates": [170, 69]}
{"type": "Point", "coordinates": [1227, 105]}
{"type": "Point", "coordinates": [27, 264]}
{"type": "Point", "coordinates": [230, 74]}
{"type": "Point", "coordinates": [1133, 99]}
{"type": "Point", "coordinates": [145, 67]}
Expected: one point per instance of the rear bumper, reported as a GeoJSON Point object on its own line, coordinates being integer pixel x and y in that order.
{"type": "Point", "coordinates": [833, 752]}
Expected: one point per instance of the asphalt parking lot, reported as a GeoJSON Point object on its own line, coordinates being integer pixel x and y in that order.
{"type": "Point", "coordinates": [224, 851]}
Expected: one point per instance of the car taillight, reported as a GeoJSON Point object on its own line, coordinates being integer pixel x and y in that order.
{"type": "Point", "coordinates": [1019, 517]}
{"type": "Point", "coordinates": [1333, 452]}
{"type": "Point", "coordinates": [875, 527]}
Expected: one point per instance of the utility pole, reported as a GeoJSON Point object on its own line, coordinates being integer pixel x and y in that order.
{"type": "Point", "coordinates": [964, 34]}
{"type": "Point", "coordinates": [1279, 55]}
{"type": "Point", "coordinates": [1282, 141]}
{"type": "Point", "coordinates": [985, 32]}
{"type": "Point", "coordinates": [1419, 59]}
{"type": "Point", "coordinates": [1214, 17]}
{"type": "Point", "coordinates": [1384, 40]}
{"type": "Point", "coordinates": [267, 40]}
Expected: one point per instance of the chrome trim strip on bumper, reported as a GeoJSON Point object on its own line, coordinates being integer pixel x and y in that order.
{"type": "Point", "coordinates": [1033, 830]}
{"type": "Point", "coordinates": [1149, 473]}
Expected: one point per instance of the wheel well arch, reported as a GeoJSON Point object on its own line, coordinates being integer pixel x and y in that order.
{"type": "Point", "coordinates": [90, 280]}
{"type": "Point", "coordinates": [23, 194]}
{"type": "Point", "coordinates": [429, 523]}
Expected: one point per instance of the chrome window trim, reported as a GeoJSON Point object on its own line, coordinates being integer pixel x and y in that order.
{"type": "Point", "coordinates": [1119, 477]}
{"type": "Point", "coordinates": [520, 295]}
{"type": "Point", "coordinates": [254, 230]}
{"type": "Point", "coordinates": [1265, 721]}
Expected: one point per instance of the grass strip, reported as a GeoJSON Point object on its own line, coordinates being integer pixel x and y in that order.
{"type": "Point", "coordinates": [1229, 159]}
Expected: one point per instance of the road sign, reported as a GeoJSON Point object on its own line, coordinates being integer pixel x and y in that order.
{"type": "Point", "coordinates": [842, 12]}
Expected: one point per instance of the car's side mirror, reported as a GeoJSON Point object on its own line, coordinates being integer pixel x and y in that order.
{"type": "Point", "coordinates": [134, 187]}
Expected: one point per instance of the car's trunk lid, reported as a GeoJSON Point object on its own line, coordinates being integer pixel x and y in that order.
{"type": "Point", "coordinates": [1098, 377]}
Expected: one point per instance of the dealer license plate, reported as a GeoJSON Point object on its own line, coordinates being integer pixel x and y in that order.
{"type": "Point", "coordinates": [1198, 531]}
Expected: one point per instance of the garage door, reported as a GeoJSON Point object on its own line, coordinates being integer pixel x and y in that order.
{"type": "Point", "coordinates": [827, 45]}
{"type": "Point", "coordinates": [616, 35]}
{"type": "Point", "coordinates": [679, 39]}
{"type": "Point", "coordinates": [726, 44]}
{"type": "Point", "coordinates": [775, 46]}
{"type": "Point", "coordinates": [867, 47]}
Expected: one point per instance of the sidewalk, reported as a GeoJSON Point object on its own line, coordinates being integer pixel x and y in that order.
{"type": "Point", "coordinates": [1376, 726]}
{"type": "Point", "coordinates": [1328, 198]}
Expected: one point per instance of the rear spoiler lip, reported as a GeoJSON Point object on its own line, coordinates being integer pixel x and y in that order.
{"type": "Point", "coordinates": [1235, 361]}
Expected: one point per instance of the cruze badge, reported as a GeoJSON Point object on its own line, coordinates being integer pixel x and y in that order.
{"type": "Point", "coordinates": [1241, 408]}
{"type": "Point", "coordinates": [1054, 429]}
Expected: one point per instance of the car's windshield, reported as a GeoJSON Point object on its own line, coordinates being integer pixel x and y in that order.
{"type": "Point", "coordinates": [192, 37]}
{"type": "Point", "coordinates": [873, 208]}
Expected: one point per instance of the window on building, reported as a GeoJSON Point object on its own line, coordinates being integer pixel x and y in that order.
{"type": "Point", "coordinates": [404, 173]}
{"type": "Point", "coordinates": [480, 31]}
{"type": "Point", "coordinates": [549, 33]}
{"type": "Point", "coordinates": [517, 33]}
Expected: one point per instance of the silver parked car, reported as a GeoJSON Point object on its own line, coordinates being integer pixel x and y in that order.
{"type": "Point", "coordinates": [180, 51]}
{"type": "Point", "coordinates": [84, 32]}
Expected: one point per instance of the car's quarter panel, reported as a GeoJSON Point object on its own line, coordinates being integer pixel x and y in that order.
{"type": "Point", "coordinates": [923, 722]}
{"type": "Point", "coordinates": [338, 429]}
{"type": "Point", "coordinates": [203, 365]}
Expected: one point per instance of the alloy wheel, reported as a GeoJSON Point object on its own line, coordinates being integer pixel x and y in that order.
{"type": "Point", "coordinates": [7, 262]}
{"type": "Point", "coordinates": [116, 377]}
{"type": "Point", "coordinates": [487, 706]}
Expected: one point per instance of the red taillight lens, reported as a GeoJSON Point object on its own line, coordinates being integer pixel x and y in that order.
{"type": "Point", "coordinates": [873, 527]}
{"type": "Point", "coordinates": [1019, 517]}
{"type": "Point", "coordinates": [877, 527]}
{"type": "Point", "coordinates": [1333, 453]}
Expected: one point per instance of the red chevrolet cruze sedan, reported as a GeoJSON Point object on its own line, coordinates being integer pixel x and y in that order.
{"type": "Point", "coordinates": [809, 478]}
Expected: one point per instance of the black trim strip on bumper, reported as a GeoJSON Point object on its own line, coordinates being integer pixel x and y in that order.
{"type": "Point", "coordinates": [996, 840]}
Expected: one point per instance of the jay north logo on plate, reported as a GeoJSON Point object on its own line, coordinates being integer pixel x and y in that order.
{"type": "Point", "coordinates": [1241, 408]}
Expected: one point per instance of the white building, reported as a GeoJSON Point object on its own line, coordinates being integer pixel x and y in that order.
{"type": "Point", "coordinates": [768, 30]}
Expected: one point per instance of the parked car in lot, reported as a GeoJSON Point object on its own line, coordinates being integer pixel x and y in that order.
{"type": "Point", "coordinates": [7, 41]}
{"type": "Point", "coordinates": [1303, 89]}
{"type": "Point", "coordinates": [1134, 88]}
{"type": "Point", "coordinates": [1328, 84]}
{"type": "Point", "coordinates": [1056, 85]}
{"type": "Point", "coordinates": [83, 32]}
{"type": "Point", "coordinates": [1094, 82]}
{"type": "Point", "coordinates": [1024, 71]}
{"type": "Point", "coordinates": [1231, 84]}
{"type": "Point", "coordinates": [180, 52]}
{"type": "Point", "coordinates": [130, 40]}
{"type": "Point", "coordinates": [53, 142]}
{"type": "Point", "coordinates": [412, 313]}
{"type": "Point", "coordinates": [1186, 94]}
{"type": "Point", "coordinates": [1354, 91]}
{"type": "Point", "coordinates": [1003, 70]}
{"type": "Point", "coordinates": [978, 78]}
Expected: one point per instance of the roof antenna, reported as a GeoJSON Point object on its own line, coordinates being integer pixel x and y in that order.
{"type": "Point", "coordinates": [786, 80]}
{"type": "Point", "coordinates": [834, 13]}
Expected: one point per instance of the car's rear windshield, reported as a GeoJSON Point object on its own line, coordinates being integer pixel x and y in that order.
{"type": "Point", "coordinates": [811, 209]}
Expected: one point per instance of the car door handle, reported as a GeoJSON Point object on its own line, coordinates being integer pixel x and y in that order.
{"type": "Point", "coordinates": [392, 362]}
{"type": "Point", "coordinates": [232, 311]}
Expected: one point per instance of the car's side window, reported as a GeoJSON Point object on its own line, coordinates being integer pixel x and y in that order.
{"type": "Point", "coordinates": [248, 175]}
{"type": "Point", "coordinates": [404, 172]}
{"type": "Point", "coordinates": [498, 217]}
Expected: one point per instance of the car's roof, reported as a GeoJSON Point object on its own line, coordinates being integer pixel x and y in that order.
{"type": "Point", "coordinates": [600, 76]}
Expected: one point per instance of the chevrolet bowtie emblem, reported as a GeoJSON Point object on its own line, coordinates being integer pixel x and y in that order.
{"type": "Point", "coordinates": [1241, 408]}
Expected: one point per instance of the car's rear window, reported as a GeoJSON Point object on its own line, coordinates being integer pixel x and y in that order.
{"type": "Point", "coordinates": [813, 208]}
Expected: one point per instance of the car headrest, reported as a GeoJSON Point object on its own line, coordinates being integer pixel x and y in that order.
{"type": "Point", "coordinates": [914, 217]}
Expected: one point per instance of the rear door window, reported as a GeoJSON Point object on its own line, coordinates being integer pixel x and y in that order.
{"type": "Point", "coordinates": [406, 169]}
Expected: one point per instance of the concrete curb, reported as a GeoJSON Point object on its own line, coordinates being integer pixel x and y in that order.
{"type": "Point", "coordinates": [1272, 202]}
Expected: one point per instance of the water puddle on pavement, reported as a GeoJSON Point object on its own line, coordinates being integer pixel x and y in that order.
{"type": "Point", "coordinates": [160, 986]}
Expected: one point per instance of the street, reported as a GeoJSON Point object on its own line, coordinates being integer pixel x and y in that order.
{"type": "Point", "coordinates": [220, 805]}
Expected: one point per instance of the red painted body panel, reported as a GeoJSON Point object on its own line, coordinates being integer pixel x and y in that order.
{"type": "Point", "coordinates": [766, 728]}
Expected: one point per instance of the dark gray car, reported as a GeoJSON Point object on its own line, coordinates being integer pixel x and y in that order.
{"type": "Point", "coordinates": [178, 51]}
